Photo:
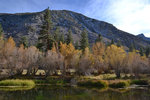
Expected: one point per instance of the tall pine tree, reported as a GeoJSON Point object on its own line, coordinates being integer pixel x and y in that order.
{"type": "Point", "coordinates": [56, 35]}
{"type": "Point", "coordinates": [132, 47]}
{"type": "Point", "coordinates": [1, 37]}
{"type": "Point", "coordinates": [99, 38]}
{"type": "Point", "coordinates": [112, 42]}
{"type": "Point", "coordinates": [62, 39]}
{"type": "Point", "coordinates": [45, 40]}
{"type": "Point", "coordinates": [1, 31]}
{"type": "Point", "coordinates": [147, 52]}
{"type": "Point", "coordinates": [84, 40]}
{"type": "Point", "coordinates": [24, 41]}
{"type": "Point", "coordinates": [76, 45]}
{"type": "Point", "coordinates": [69, 38]}
{"type": "Point", "coordinates": [141, 52]}
{"type": "Point", "coordinates": [119, 43]}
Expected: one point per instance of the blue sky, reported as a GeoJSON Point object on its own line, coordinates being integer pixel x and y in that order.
{"type": "Point", "coordinates": [132, 16]}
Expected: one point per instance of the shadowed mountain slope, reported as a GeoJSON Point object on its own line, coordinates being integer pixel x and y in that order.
{"type": "Point", "coordinates": [29, 24]}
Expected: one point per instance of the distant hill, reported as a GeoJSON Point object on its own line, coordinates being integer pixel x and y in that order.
{"type": "Point", "coordinates": [28, 24]}
{"type": "Point", "coordinates": [143, 37]}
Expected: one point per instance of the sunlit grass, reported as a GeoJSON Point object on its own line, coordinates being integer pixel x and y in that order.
{"type": "Point", "coordinates": [14, 88]}
{"type": "Point", "coordinates": [17, 82]}
{"type": "Point", "coordinates": [101, 77]}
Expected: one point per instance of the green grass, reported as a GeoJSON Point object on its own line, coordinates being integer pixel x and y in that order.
{"type": "Point", "coordinates": [15, 88]}
{"type": "Point", "coordinates": [100, 77]}
{"type": "Point", "coordinates": [140, 82]}
{"type": "Point", "coordinates": [93, 84]}
{"type": "Point", "coordinates": [121, 84]}
{"type": "Point", "coordinates": [17, 82]}
{"type": "Point", "coordinates": [51, 82]}
{"type": "Point", "coordinates": [41, 81]}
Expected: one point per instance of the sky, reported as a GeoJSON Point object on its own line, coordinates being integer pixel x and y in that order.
{"type": "Point", "coordinates": [132, 16]}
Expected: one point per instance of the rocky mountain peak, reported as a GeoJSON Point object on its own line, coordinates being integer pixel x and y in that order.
{"type": "Point", "coordinates": [143, 37]}
{"type": "Point", "coordinates": [29, 25]}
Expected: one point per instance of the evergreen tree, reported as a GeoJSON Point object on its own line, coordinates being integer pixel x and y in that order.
{"type": "Point", "coordinates": [1, 39]}
{"type": "Point", "coordinates": [141, 52]}
{"type": "Point", "coordinates": [24, 41]}
{"type": "Point", "coordinates": [99, 38]}
{"type": "Point", "coordinates": [119, 43]}
{"type": "Point", "coordinates": [69, 37]}
{"type": "Point", "coordinates": [50, 42]}
{"type": "Point", "coordinates": [1, 31]}
{"type": "Point", "coordinates": [62, 39]}
{"type": "Point", "coordinates": [112, 42]}
{"type": "Point", "coordinates": [132, 47]}
{"type": "Point", "coordinates": [45, 40]}
{"type": "Point", "coordinates": [147, 52]}
{"type": "Point", "coordinates": [56, 35]}
{"type": "Point", "coordinates": [77, 45]}
{"type": "Point", "coordinates": [84, 40]}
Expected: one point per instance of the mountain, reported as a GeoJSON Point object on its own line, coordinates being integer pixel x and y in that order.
{"type": "Point", "coordinates": [143, 37]}
{"type": "Point", "coordinates": [29, 25]}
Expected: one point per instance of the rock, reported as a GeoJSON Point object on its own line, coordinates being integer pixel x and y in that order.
{"type": "Point", "coordinates": [73, 82]}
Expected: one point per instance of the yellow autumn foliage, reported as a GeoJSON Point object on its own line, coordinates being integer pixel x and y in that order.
{"type": "Point", "coordinates": [53, 48]}
{"type": "Point", "coordinates": [69, 52]}
{"type": "Point", "coordinates": [115, 56]}
{"type": "Point", "coordinates": [9, 47]}
{"type": "Point", "coordinates": [98, 51]}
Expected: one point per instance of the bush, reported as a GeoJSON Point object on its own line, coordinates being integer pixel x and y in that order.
{"type": "Point", "coordinates": [41, 81]}
{"type": "Point", "coordinates": [118, 85]}
{"type": "Point", "coordinates": [17, 82]}
{"type": "Point", "coordinates": [93, 84]}
{"type": "Point", "coordinates": [57, 82]}
{"type": "Point", "coordinates": [51, 81]}
{"type": "Point", "coordinates": [140, 82]}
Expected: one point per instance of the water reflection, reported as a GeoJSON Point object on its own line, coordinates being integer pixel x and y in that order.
{"type": "Point", "coordinates": [67, 93]}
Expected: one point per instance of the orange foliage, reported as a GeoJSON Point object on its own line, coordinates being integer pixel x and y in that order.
{"type": "Point", "coordinates": [68, 51]}
{"type": "Point", "coordinates": [98, 51]}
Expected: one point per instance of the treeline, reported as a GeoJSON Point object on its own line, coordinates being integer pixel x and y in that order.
{"type": "Point", "coordinates": [53, 53]}
{"type": "Point", "coordinates": [100, 59]}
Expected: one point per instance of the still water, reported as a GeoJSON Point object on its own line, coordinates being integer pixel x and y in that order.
{"type": "Point", "coordinates": [68, 93]}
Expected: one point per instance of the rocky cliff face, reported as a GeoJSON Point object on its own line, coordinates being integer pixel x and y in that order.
{"type": "Point", "coordinates": [142, 36]}
{"type": "Point", "coordinates": [28, 24]}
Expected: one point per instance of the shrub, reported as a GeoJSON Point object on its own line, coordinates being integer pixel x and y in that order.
{"type": "Point", "coordinates": [41, 81]}
{"type": "Point", "coordinates": [17, 82]}
{"type": "Point", "coordinates": [140, 82]}
{"type": "Point", "coordinates": [122, 84]}
{"type": "Point", "coordinates": [51, 81]}
{"type": "Point", "coordinates": [93, 84]}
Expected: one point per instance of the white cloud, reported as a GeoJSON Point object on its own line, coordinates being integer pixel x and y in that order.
{"type": "Point", "coordinates": [132, 16]}
{"type": "Point", "coordinates": [129, 15]}
{"type": "Point", "coordinates": [97, 9]}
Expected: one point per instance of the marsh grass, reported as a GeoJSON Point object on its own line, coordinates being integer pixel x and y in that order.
{"type": "Point", "coordinates": [93, 84]}
{"type": "Point", "coordinates": [14, 88]}
{"type": "Point", "coordinates": [140, 82]}
{"type": "Point", "coordinates": [52, 81]}
{"type": "Point", "coordinates": [17, 82]}
{"type": "Point", "coordinates": [41, 81]}
{"type": "Point", "coordinates": [119, 84]}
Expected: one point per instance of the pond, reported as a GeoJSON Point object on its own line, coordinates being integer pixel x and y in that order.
{"type": "Point", "coordinates": [68, 93]}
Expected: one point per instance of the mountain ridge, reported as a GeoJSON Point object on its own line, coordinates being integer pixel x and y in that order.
{"type": "Point", "coordinates": [28, 24]}
{"type": "Point", "coordinates": [143, 37]}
